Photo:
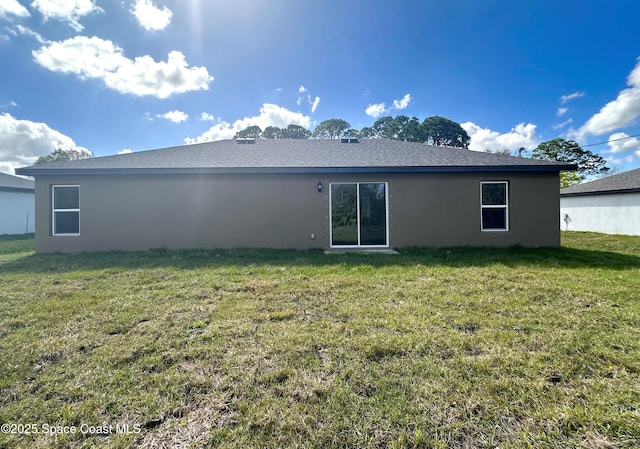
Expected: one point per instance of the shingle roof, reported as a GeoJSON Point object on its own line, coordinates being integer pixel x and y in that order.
{"type": "Point", "coordinates": [297, 156]}
{"type": "Point", "coordinates": [10, 182]}
{"type": "Point", "coordinates": [626, 182]}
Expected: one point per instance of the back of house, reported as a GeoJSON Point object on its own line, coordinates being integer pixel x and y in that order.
{"type": "Point", "coordinates": [333, 194]}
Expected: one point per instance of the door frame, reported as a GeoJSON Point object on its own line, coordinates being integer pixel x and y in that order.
{"type": "Point", "coordinates": [386, 209]}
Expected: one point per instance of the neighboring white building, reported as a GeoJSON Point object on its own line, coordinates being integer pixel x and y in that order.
{"type": "Point", "coordinates": [609, 205]}
{"type": "Point", "coordinates": [17, 205]}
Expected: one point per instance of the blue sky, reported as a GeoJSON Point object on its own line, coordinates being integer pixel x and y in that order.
{"type": "Point", "coordinates": [130, 75]}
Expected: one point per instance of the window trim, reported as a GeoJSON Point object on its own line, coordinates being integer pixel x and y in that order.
{"type": "Point", "coordinates": [504, 206]}
{"type": "Point", "coordinates": [386, 207]}
{"type": "Point", "coordinates": [54, 210]}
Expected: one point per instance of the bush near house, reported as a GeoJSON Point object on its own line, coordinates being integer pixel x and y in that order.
{"type": "Point", "coordinates": [434, 348]}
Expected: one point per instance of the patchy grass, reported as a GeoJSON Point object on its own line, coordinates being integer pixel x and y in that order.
{"type": "Point", "coordinates": [434, 348]}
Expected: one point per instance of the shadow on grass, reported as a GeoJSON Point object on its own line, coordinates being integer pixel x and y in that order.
{"type": "Point", "coordinates": [563, 257]}
{"type": "Point", "coordinates": [16, 244]}
{"type": "Point", "coordinates": [12, 237]}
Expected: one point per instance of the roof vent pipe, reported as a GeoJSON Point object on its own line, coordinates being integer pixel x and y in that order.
{"type": "Point", "coordinates": [245, 141]}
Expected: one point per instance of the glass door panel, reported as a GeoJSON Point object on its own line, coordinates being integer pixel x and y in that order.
{"type": "Point", "coordinates": [344, 215]}
{"type": "Point", "coordinates": [373, 214]}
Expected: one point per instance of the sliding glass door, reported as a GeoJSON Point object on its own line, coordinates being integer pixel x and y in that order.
{"type": "Point", "coordinates": [359, 214]}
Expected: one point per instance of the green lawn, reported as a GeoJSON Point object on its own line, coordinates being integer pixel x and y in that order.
{"type": "Point", "coordinates": [446, 348]}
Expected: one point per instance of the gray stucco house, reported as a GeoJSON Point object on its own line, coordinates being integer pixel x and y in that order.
{"type": "Point", "coordinates": [17, 204]}
{"type": "Point", "coordinates": [609, 205]}
{"type": "Point", "coordinates": [331, 194]}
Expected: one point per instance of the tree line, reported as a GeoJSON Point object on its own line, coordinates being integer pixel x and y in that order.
{"type": "Point", "coordinates": [434, 130]}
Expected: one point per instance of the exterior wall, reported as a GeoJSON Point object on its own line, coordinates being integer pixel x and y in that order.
{"type": "Point", "coordinates": [444, 210]}
{"type": "Point", "coordinates": [17, 212]}
{"type": "Point", "coordinates": [613, 213]}
{"type": "Point", "coordinates": [180, 211]}
{"type": "Point", "coordinates": [286, 211]}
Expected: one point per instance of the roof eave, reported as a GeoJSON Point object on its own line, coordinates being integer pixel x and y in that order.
{"type": "Point", "coordinates": [18, 189]}
{"type": "Point", "coordinates": [601, 192]}
{"type": "Point", "coordinates": [30, 171]}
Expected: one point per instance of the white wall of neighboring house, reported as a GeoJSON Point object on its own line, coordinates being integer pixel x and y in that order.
{"type": "Point", "coordinates": [611, 213]}
{"type": "Point", "coordinates": [17, 212]}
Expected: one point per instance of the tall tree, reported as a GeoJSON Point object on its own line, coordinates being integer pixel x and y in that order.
{"type": "Point", "coordinates": [331, 129]}
{"type": "Point", "coordinates": [272, 132]}
{"type": "Point", "coordinates": [296, 132]}
{"type": "Point", "coordinates": [368, 133]}
{"type": "Point", "coordinates": [408, 129]}
{"type": "Point", "coordinates": [399, 128]}
{"type": "Point", "coordinates": [64, 155]}
{"type": "Point", "coordinates": [444, 132]}
{"type": "Point", "coordinates": [589, 164]}
{"type": "Point", "coordinates": [569, 178]}
{"type": "Point", "coordinates": [251, 132]}
{"type": "Point", "coordinates": [383, 128]}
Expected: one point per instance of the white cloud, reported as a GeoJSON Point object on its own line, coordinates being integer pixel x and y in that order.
{"type": "Point", "coordinates": [174, 116]}
{"type": "Point", "coordinates": [620, 161]}
{"type": "Point", "coordinates": [566, 98]}
{"type": "Point", "coordinates": [312, 102]}
{"type": "Point", "coordinates": [125, 151]}
{"type": "Point", "coordinates": [69, 11]}
{"type": "Point", "coordinates": [25, 31]}
{"type": "Point", "coordinates": [270, 115]}
{"type": "Point", "coordinates": [482, 139]}
{"type": "Point", "coordinates": [301, 90]}
{"type": "Point", "coordinates": [621, 142]}
{"type": "Point", "coordinates": [219, 131]}
{"type": "Point", "coordinates": [102, 59]}
{"type": "Point", "coordinates": [315, 104]}
{"type": "Point", "coordinates": [11, 104]}
{"type": "Point", "coordinates": [150, 17]}
{"type": "Point", "coordinates": [561, 111]}
{"type": "Point", "coordinates": [563, 124]}
{"type": "Point", "coordinates": [375, 110]}
{"type": "Point", "coordinates": [403, 103]}
{"type": "Point", "coordinates": [12, 8]}
{"type": "Point", "coordinates": [206, 117]}
{"type": "Point", "coordinates": [23, 141]}
{"type": "Point", "coordinates": [622, 111]}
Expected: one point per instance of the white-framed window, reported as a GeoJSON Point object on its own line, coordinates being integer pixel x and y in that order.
{"type": "Point", "coordinates": [65, 210]}
{"type": "Point", "coordinates": [494, 205]}
{"type": "Point", "coordinates": [359, 214]}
